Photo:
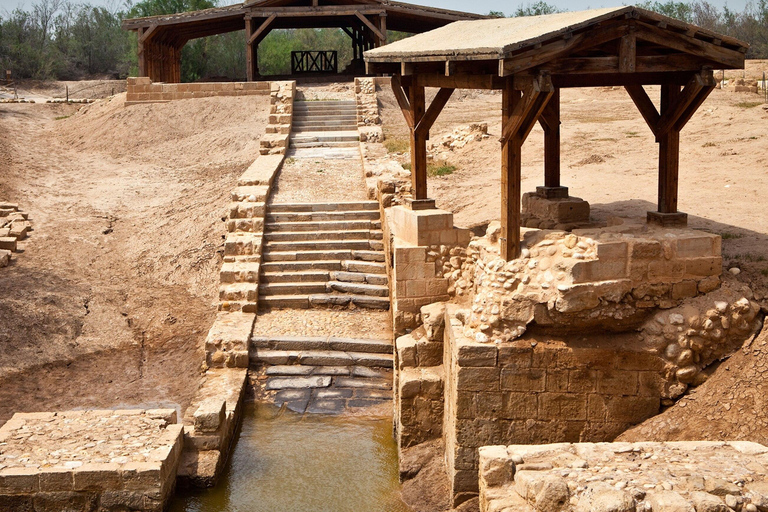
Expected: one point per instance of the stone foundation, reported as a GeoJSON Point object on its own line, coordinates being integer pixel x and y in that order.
{"type": "Point", "coordinates": [123, 460]}
{"type": "Point", "coordinates": [624, 477]}
{"type": "Point", "coordinates": [143, 90]}
{"type": "Point", "coordinates": [544, 209]}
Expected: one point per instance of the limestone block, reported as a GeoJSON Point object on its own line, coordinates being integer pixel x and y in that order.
{"type": "Point", "coordinates": [433, 317]}
{"type": "Point", "coordinates": [405, 347]}
{"type": "Point", "coordinates": [19, 481]}
{"type": "Point", "coordinates": [5, 257]}
{"type": "Point", "coordinates": [96, 477]}
{"type": "Point", "coordinates": [668, 501]}
{"type": "Point", "coordinates": [477, 378]}
{"type": "Point", "coordinates": [246, 209]}
{"type": "Point", "coordinates": [8, 243]}
{"type": "Point", "coordinates": [55, 479]}
{"type": "Point", "coordinates": [476, 354]}
{"type": "Point", "coordinates": [210, 415]}
{"type": "Point", "coordinates": [523, 379]}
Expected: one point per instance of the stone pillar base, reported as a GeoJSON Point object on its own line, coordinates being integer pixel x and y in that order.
{"type": "Point", "coordinates": [552, 192]}
{"type": "Point", "coordinates": [668, 220]}
{"type": "Point", "coordinates": [548, 208]}
{"type": "Point", "coordinates": [420, 204]}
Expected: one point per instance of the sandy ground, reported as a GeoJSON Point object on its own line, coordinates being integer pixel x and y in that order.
{"type": "Point", "coordinates": [40, 90]}
{"type": "Point", "coordinates": [113, 294]}
{"type": "Point", "coordinates": [610, 158]}
{"type": "Point", "coordinates": [306, 180]}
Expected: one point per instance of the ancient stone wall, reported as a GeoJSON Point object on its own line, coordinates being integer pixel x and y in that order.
{"type": "Point", "coordinates": [126, 462]}
{"type": "Point", "coordinates": [624, 477]}
{"type": "Point", "coordinates": [143, 90]}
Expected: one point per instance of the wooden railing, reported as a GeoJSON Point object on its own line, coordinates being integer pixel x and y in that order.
{"type": "Point", "coordinates": [314, 62]}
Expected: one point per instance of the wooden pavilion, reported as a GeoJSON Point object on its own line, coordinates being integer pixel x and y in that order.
{"type": "Point", "coordinates": [530, 59]}
{"type": "Point", "coordinates": [161, 38]}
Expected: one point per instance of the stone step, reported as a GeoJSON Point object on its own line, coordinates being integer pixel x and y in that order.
{"type": "Point", "coordinates": [321, 245]}
{"type": "Point", "coordinates": [362, 372]}
{"type": "Point", "coordinates": [321, 358]}
{"type": "Point", "coordinates": [239, 272]}
{"type": "Point", "coordinates": [325, 153]}
{"type": "Point", "coordinates": [340, 206]}
{"type": "Point", "coordinates": [294, 236]}
{"type": "Point", "coordinates": [302, 129]}
{"type": "Point", "coordinates": [239, 292]}
{"type": "Point", "coordinates": [322, 343]}
{"type": "Point", "coordinates": [300, 266]}
{"type": "Point", "coordinates": [271, 254]}
{"type": "Point", "coordinates": [324, 106]}
{"type": "Point", "coordinates": [333, 225]}
{"type": "Point", "coordinates": [305, 276]}
{"type": "Point", "coordinates": [316, 216]}
{"type": "Point", "coordinates": [373, 290]}
{"type": "Point", "coordinates": [358, 277]}
{"type": "Point", "coordinates": [293, 288]}
{"type": "Point", "coordinates": [323, 144]}
{"type": "Point", "coordinates": [347, 117]}
{"type": "Point", "coordinates": [323, 300]}
{"type": "Point", "coordinates": [368, 267]}
{"type": "Point", "coordinates": [344, 122]}
{"type": "Point", "coordinates": [244, 306]}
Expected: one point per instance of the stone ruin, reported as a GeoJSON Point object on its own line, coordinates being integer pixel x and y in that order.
{"type": "Point", "coordinates": [624, 477]}
{"type": "Point", "coordinates": [14, 226]}
{"type": "Point", "coordinates": [586, 334]}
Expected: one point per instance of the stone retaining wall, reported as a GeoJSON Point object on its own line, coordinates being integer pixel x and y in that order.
{"type": "Point", "coordinates": [624, 477]}
{"type": "Point", "coordinates": [143, 90]}
{"type": "Point", "coordinates": [127, 461]}
{"type": "Point", "coordinates": [14, 226]}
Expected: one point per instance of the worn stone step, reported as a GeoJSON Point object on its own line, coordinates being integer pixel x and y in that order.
{"type": "Point", "coordinates": [321, 300]}
{"type": "Point", "coordinates": [239, 272]}
{"type": "Point", "coordinates": [320, 245]}
{"type": "Point", "coordinates": [275, 383]}
{"type": "Point", "coordinates": [368, 267]}
{"type": "Point", "coordinates": [305, 276]}
{"type": "Point", "coordinates": [323, 144]}
{"type": "Point", "coordinates": [358, 277]}
{"type": "Point", "coordinates": [331, 225]}
{"type": "Point", "coordinates": [346, 114]}
{"type": "Point", "coordinates": [321, 358]}
{"type": "Point", "coordinates": [359, 288]}
{"type": "Point", "coordinates": [303, 236]}
{"type": "Point", "coordinates": [324, 207]}
{"type": "Point", "coordinates": [239, 292]}
{"type": "Point", "coordinates": [321, 106]}
{"type": "Point", "coordinates": [349, 122]}
{"type": "Point", "coordinates": [300, 266]}
{"type": "Point", "coordinates": [322, 343]}
{"type": "Point", "coordinates": [350, 153]}
{"type": "Point", "coordinates": [293, 288]}
{"type": "Point", "coordinates": [298, 216]}
{"type": "Point", "coordinates": [271, 254]}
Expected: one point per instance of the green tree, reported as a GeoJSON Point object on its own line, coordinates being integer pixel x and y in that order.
{"type": "Point", "coordinates": [535, 9]}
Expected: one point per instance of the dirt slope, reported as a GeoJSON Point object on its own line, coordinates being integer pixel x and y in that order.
{"type": "Point", "coordinates": [111, 299]}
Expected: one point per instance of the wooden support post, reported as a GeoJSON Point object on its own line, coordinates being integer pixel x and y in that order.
{"type": "Point", "coordinates": [249, 51]}
{"type": "Point", "coordinates": [669, 155]}
{"type": "Point", "coordinates": [550, 122]}
{"type": "Point", "coordinates": [142, 53]}
{"type": "Point", "coordinates": [418, 144]}
{"type": "Point", "coordinates": [383, 28]}
{"type": "Point", "coordinates": [511, 164]}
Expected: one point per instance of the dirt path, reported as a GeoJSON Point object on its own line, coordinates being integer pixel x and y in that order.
{"type": "Point", "coordinates": [112, 297]}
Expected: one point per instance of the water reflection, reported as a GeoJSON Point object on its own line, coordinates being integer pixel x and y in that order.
{"type": "Point", "coordinates": [312, 463]}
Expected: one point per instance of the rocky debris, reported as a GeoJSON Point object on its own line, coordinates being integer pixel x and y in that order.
{"type": "Point", "coordinates": [457, 139]}
{"type": "Point", "coordinates": [624, 477]}
{"type": "Point", "coordinates": [742, 85]}
{"type": "Point", "coordinates": [14, 226]}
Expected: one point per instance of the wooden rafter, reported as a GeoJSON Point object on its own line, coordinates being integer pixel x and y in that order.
{"type": "Point", "coordinates": [146, 35]}
{"type": "Point", "coordinates": [527, 111]}
{"type": "Point", "coordinates": [370, 25]}
{"type": "Point", "coordinates": [687, 44]}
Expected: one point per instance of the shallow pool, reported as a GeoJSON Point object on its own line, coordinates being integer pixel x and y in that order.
{"type": "Point", "coordinates": [311, 463]}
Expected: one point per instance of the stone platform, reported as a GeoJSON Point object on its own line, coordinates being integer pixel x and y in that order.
{"type": "Point", "coordinates": [103, 460]}
{"type": "Point", "coordinates": [623, 477]}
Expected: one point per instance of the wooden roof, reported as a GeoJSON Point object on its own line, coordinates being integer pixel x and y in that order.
{"type": "Point", "coordinates": [295, 14]}
{"type": "Point", "coordinates": [571, 43]}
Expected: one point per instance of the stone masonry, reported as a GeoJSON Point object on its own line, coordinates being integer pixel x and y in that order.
{"type": "Point", "coordinates": [625, 477]}
{"type": "Point", "coordinates": [14, 226]}
{"type": "Point", "coordinates": [142, 90]}
{"type": "Point", "coordinates": [105, 461]}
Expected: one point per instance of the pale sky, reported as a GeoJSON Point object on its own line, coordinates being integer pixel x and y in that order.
{"type": "Point", "coordinates": [478, 6]}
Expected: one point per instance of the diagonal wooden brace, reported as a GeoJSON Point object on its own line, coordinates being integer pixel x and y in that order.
{"type": "Point", "coordinates": [527, 111]}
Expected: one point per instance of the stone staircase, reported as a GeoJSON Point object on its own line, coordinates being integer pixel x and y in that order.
{"type": "Point", "coordinates": [324, 374]}
{"type": "Point", "coordinates": [323, 254]}
{"type": "Point", "coordinates": [325, 129]}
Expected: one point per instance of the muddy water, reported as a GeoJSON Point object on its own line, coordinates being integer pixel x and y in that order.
{"type": "Point", "coordinates": [311, 463]}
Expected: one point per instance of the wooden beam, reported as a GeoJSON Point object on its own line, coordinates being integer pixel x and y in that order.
{"type": "Point", "coordinates": [669, 155]}
{"type": "Point", "coordinates": [383, 28]}
{"type": "Point", "coordinates": [682, 101]}
{"type": "Point", "coordinates": [537, 57]}
{"type": "Point", "coordinates": [249, 53]}
{"type": "Point", "coordinates": [693, 107]}
{"type": "Point", "coordinates": [723, 56]}
{"type": "Point", "coordinates": [463, 81]}
{"type": "Point", "coordinates": [146, 34]}
{"type": "Point", "coordinates": [528, 110]}
{"type": "Point", "coordinates": [511, 164]}
{"type": "Point", "coordinates": [371, 26]}
{"type": "Point", "coordinates": [441, 98]}
{"type": "Point", "coordinates": [262, 28]}
{"type": "Point", "coordinates": [628, 52]}
{"type": "Point", "coordinates": [644, 105]}
{"type": "Point", "coordinates": [142, 54]}
{"type": "Point", "coordinates": [402, 101]}
{"type": "Point", "coordinates": [418, 144]}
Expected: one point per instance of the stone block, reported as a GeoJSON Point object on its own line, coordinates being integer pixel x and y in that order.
{"type": "Point", "coordinates": [582, 380]}
{"type": "Point", "coordinates": [617, 382]}
{"type": "Point", "coordinates": [429, 353]}
{"type": "Point", "coordinates": [97, 477]}
{"type": "Point", "coordinates": [525, 380]}
{"type": "Point", "coordinates": [697, 246]}
{"type": "Point", "coordinates": [685, 289]}
{"type": "Point", "coordinates": [599, 270]}
{"type": "Point", "coordinates": [519, 406]}
{"type": "Point", "coordinates": [666, 270]}
{"type": "Point", "coordinates": [476, 354]}
{"type": "Point", "coordinates": [646, 249]}
{"type": "Point", "coordinates": [141, 475]}
{"type": "Point", "coordinates": [8, 243]}
{"type": "Point", "coordinates": [562, 406]}
{"type": "Point", "coordinates": [55, 479]}
{"type": "Point", "coordinates": [19, 481]}
{"type": "Point", "coordinates": [703, 267]}
{"type": "Point", "coordinates": [631, 409]}
{"type": "Point", "coordinates": [210, 415]}
{"type": "Point", "coordinates": [477, 379]}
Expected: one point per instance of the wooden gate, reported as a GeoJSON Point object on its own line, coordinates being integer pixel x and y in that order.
{"type": "Point", "coordinates": [314, 62]}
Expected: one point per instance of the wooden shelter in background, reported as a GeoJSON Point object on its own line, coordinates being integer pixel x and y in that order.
{"type": "Point", "coordinates": [366, 22]}
{"type": "Point", "coordinates": [530, 59]}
